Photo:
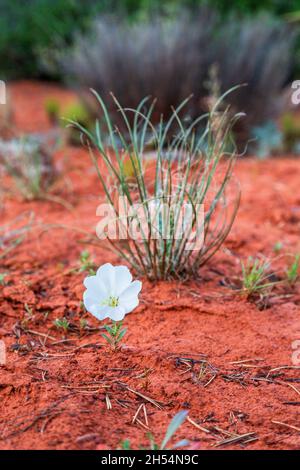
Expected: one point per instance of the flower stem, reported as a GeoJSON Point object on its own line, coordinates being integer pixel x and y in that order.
{"type": "Point", "coordinates": [115, 334]}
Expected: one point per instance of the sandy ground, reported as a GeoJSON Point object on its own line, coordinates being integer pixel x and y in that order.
{"type": "Point", "coordinates": [195, 345]}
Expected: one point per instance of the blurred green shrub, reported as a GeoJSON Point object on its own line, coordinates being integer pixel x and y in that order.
{"type": "Point", "coordinates": [26, 28]}
{"type": "Point", "coordinates": [276, 7]}
{"type": "Point", "coordinates": [273, 138]}
{"type": "Point", "coordinates": [169, 59]}
{"type": "Point", "coordinates": [30, 163]}
{"type": "Point", "coordinates": [290, 124]}
{"type": "Point", "coordinates": [61, 117]}
{"type": "Point", "coordinates": [29, 28]}
{"type": "Point", "coordinates": [132, 7]}
{"type": "Point", "coordinates": [52, 108]}
{"type": "Point", "coordinates": [268, 139]}
{"type": "Point", "coordinates": [77, 112]}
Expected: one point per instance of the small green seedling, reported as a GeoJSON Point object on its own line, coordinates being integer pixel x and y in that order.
{"type": "Point", "coordinates": [125, 445]}
{"type": "Point", "coordinates": [115, 334]}
{"type": "Point", "coordinates": [83, 324]}
{"type": "Point", "coordinates": [292, 272]}
{"type": "Point", "coordinates": [2, 279]}
{"type": "Point", "coordinates": [28, 316]}
{"type": "Point", "coordinates": [46, 314]}
{"type": "Point", "coordinates": [277, 247]}
{"type": "Point", "coordinates": [86, 264]}
{"type": "Point", "coordinates": [62, 324]}
{"type": "Point", "coordinates": [52, 108]}
{"type": "Point", "coordinates": [175, 423]}
{"type": "Point", "coordinates": [256, 276]}
{"type": "Point", "coordinates": [29, 310]}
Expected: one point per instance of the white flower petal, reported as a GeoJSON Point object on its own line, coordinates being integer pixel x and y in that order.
{"type": "Point", "coordinates": [130, 304]}
{"type": "Point", "coordinates": [106, 274]}
{"type": "Point", "coordinates": [115, 313]}
{"type": "Point", "coordinates": [132, 291]}
{"type": "Point", "coordinates": [123, 279]}
{"type": "Point", "coordinates": [99, 311]}
{"type": "Point", "coordinates": [96, 287]}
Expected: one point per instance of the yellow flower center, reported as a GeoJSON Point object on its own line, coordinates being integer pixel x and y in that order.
{"type": "Point", "coordinates": [111, 301]}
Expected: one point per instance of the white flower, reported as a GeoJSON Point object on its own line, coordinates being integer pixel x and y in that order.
{"type": "Point", "coordinates": [111, 292]}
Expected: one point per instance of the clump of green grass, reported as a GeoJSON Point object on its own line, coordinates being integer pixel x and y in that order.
{"type": "Point", "coordinates": [62, 324]}
{"type": "Point", "coordinates": [193, 166]}
{"type": "Point", "coordinates": [30, 164]}
{"type": "Point", "coordinates": [86, 263]}
{"type": "Point", "coordinates": [28, 316]}
{"type": "Point", "coordinates": [13, 233]}
{"type": "Point", "coordinates": [292, 271]}
{"type": "Point", "coordinates": [259, 278]}
{"type": "Point", "coordinates": [174, 425]}
{"type": "Point", "coordinates": [2, 279]}
{"type": "Point", "coordinates": [256, 277]}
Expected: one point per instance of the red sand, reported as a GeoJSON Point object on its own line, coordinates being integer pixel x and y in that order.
{"type": "Point", "coordinates": [53, 394]}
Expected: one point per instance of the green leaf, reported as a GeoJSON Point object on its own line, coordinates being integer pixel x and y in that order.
{"type": "Point", "coordinates": [125, 445]}
{"type": "Point", "coordinates": [109, 330]}
{"type": "Point", "coordinates": [121, 334]}
{"type": "Point", "coordinates": [109, 340]}
{"type": "Point", "coordinates": [182, 443]}
{"type": "Point", "coordinates": [176, 422]}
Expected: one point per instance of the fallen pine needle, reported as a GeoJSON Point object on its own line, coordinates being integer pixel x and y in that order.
{"type": "Point", "coordinates": [137, 413]}
{"type": "Point", "coordinates": [280, 368]}
{"type": "Point", "coordinates": [37, 333]}
{"type": "Point", "coordinates": [142, 424]}
{"type": "Point", "coordinates": [197, 425]}
{"type": "Point", "coordinates": [108, 402]}
{"type": "Point", "coordinates": [210, 380]}
{"type": "Point", "coordinates": [286, 425]}
{"type": "Point", "coordinates": [255, 359]}
{"type": "Point", "coordinates": [86, 345]}
{"type": "Point", "coordinates": [243, 438]}
{"type": "Point", "coordinates": [136, 419]}
{"type": "Point", "coordinates": [62, 341]}
{"type": "Point", "coordinates": [251, 366]}
{"type": "Point", "coordinates": [154, 402]}
{"type": "Point", "coordinates": [290, 385]}
{"type": "Point", "coordinates": [295, 403]}
{"type": "Point", "coordinates": [145, 414]}
{"type": "Point", "coordinates": [227, 433]}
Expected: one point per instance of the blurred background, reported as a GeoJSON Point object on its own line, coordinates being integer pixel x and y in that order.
{"type": "Point", "coordinates": [163, 49]}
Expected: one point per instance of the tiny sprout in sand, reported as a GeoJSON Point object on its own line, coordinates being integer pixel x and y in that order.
{"type": "Point", "coordinates": [111, 293]}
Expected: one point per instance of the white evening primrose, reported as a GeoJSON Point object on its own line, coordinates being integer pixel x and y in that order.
{"type": "Point", "coordinates": [111, 292]}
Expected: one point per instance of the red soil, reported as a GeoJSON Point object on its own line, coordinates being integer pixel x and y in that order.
{"type": "Point", "coordinates": [53, 393]}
